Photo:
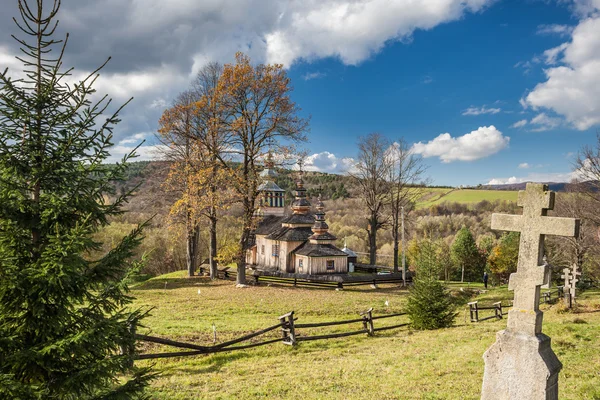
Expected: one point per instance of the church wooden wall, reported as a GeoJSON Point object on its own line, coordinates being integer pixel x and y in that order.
{"type": "Point", "coordinates": [318, 265]}
{"type": "Point", "coordinates": [283, 262]}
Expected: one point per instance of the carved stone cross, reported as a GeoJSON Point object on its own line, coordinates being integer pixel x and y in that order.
{"type": "Point", "coordinates": [567, 277]}
{"type": "Point", "coordinates": [574, 279]}
{"type": "Point", "coordinates": [536, 200]}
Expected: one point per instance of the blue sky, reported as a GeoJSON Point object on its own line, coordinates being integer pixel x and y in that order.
{"type": "Point", "coordinates": [423, 88]}
{"type": "Point", "coordinates": [486, 90]}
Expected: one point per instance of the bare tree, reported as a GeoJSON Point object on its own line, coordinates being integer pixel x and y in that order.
{"type": "Point", "coordinates": [406, 178]}
{"type": "Point", "coordinates": [371, 173]}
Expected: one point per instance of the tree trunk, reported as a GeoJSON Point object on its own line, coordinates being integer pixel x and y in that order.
{"type": "Point", "coordinates": [241, 262]}
{"type": "Point", "coordinates": [395, 233]}
{"type": "Point", "coordinates": [372, 233]}
{"type": "Point", "coordinates": [212, 256]}
{"type": "Point", "coordinates": [193, 235]}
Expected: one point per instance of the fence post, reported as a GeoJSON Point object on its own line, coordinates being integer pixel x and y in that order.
{"type": "Point", "coordinates": [256, 279]}
{"type": "Point", "coordinates": [498, 309]}
{"type": "Point", "coordinates": [340, 286]}
{"type": "Point", "coordinates": [129, 349]}
{"type": "Point", "coordinates": [473, 311]}
{"type": "Point", "coordinates": [292, 329]}
{"type": "Point", "coordinates": [368, 321]}
{"type": "Point", "coordinates": [288, 331]}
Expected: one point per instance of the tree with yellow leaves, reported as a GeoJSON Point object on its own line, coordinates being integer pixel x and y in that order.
{"type": "Point", "coordinates": [192, 129]}
{"type": "Point", "coordinates": [258, 114]}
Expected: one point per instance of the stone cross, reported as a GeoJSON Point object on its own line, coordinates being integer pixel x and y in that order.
{"type": "Point", "coordinates": [567, 277]}
{"type": "Point", "coordinates": [521, 364]}
{"type": "Point", "coordinates": [531, 273]}
{"type": "Point", "coordinates": [574, 279]}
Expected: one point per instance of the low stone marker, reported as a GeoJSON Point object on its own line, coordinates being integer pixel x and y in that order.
{"type": "Point", "coordinates": [521, 364]}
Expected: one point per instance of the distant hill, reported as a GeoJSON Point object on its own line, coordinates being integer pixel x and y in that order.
{"type": "Point", "coordinates": [153, 197]}
{"type": "Point", "coordinates": [556, 186]}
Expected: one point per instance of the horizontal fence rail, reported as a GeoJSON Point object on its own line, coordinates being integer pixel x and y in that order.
{"type": "Point", "coordinates": [289, 335]}
{"type": "Point", "coordinates": [474, 307]}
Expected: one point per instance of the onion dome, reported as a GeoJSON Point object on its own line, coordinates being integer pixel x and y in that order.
{"type": "Point", "coordinates": [269, 171]}
{"type": "Point", "coordinates": [320, 228]}
{"type": "Point", "coordinates": [300, 205]}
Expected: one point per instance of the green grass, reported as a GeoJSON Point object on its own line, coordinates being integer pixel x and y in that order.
{"type": "Point", "coordinates": [465, 196]}
{"type": "Point", "coordinates": [396, 364]}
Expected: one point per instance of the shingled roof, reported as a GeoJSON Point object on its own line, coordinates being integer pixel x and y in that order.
{"type": "Point", "coordinates": [291, 234]}
{"type": "Point", "coordinates": [304, 219]}
{"type": "Point", "coordinates": [319, 250]}
{"type": "Point", "coordinates": [268, 225]}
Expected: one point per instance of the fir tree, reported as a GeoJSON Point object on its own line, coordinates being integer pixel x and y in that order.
{"type": "Point", "coordinates": [64, 317]}
{"type": "Point", "coordinates": [429, 305]}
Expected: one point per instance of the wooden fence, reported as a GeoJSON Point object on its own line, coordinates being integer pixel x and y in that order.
{"type": "Point", "coordinates": [302, 282]}
{"type": "Point", "coordinates": [316, 282]}
{"type": "Point", "coordinates": [475, 308]}
{"type": "Point", "coordinates": [289, 332]}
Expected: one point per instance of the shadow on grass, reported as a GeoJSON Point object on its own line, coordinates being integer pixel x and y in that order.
{"type": "Point", "coordinates": [215, 364]}
{"type": "Point", "coordinates": [174, 283]}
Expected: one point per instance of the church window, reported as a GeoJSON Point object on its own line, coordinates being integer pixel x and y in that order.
{"type": "Point", "coordinates": [262, 249]}
{"type": "Point", "coordinates": [300, 265]}
{"type": "Point", "coordinates": [330, 265]}
{"type": "Point", "coordinates": [275, 250]}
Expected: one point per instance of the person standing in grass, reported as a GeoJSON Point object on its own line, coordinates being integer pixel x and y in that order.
{"type": "Point", "coordinates": [485, 279]}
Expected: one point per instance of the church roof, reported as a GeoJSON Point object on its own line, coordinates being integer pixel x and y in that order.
{"type": "Point", "coordinates": [290, 234]}
{"type": "Point", "coordinates": [319, 250]}
{"type": "Point", "coordinates": [324, 236]}
{"type": "Point", "coordinates": [269, 186]}
{"type": "Point", "coordinates": [299, 219]}
{"type": "Point", "coordinates": [269, 173]}
{"type": "Point", "coordinates": [349, 252]}
{"type": "Point", "coordinates": [268, 225]}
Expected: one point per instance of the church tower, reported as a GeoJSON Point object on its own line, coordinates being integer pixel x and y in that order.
{"type": "Point", "coordinates": [271, 197]}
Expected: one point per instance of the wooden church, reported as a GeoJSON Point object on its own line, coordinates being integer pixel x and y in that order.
{"type": "Point", "coordinates": [298, 242]}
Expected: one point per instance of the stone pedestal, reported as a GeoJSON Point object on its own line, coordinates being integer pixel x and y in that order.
{"type": "Point", "coordinates": [520, 367]}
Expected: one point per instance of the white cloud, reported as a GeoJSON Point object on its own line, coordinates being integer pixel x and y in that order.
{"type": "Point", "coordinates": [586, 7]}
{"type": "Point", "coordinates": [544, 122]}
{"type": "Point", "coordinates": [535, 177]}
{"type": "Point", "coordinates": [481, 110]}
{"type": "Point", "coordinates": [156, 58]}
{"type": "Point", "coordinates": [313, 75]}
{"type": "Point", "coordinates": [519, 124]}
{"type": "Point", "coordinates": [481, 143]}
{"type": "Point", "coordinates": [137, 138]}
{"type": "Point", "coordinates": [554, 29]}
{"type": "Point", "coordinates": [572, 89]}
{"type": "Point", "coordinates": [144, 153]}
{"type": "Point", "coordinates": [328, 162]}
{"type": "Point", "coordinates": [552, 54]}
{"type": "Point", "coordinates": [354, 30]}
{"type": "Point", "coordinates": [524, 165]}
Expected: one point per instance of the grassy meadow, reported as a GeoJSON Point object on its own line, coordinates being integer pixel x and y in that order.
{"type": "Point", "coordinates": [395, 364]}
{"type": "Point", "coordinates": [432, 196]}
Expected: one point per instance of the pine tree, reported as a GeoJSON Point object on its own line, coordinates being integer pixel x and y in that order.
{"type": "Point", "coordinates": [65, 325]}
{"type": "Point", "coordinates": [429, 305]}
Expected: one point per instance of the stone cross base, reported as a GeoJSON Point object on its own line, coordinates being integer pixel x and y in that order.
{"type": "Point", "coordinates": [520, 366]}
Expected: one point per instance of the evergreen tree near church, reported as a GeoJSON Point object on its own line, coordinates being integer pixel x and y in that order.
{"type": "Point", "coordinates": [429, 305]}
{"type": "Point", "coordinates": [65, 325]}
